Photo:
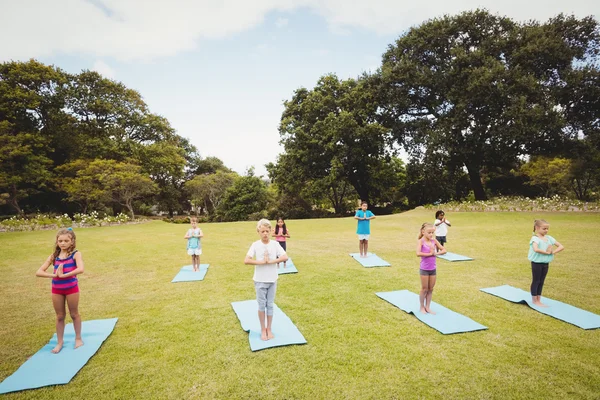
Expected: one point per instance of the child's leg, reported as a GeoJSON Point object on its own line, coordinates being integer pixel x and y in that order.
{"type": "Point", "coordinates": [73, 302]}
{"type": "Point", "coordinates": [198, 261]}
{"type": "Point", "coordinates": [536, 276]}
{"type": "Point", "coordinates": [360, 246]}
{"type": "Point", "coordinates": [544, 272]}
{"type": "Point", "coordinates": [423, 292]}
{"type": "Point", "coordinates": [366, 247]}
{"type": "Point", "coordinates": [261, 299]}
{"type": "Point", "coordinates": [431, 284]}
{"type": "Point", "coordinates": [58, 301]}
{"type": "Point", "coordinates": [270, 301]}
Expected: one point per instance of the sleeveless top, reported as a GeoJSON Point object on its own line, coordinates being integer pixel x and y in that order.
{"type": "Point", "coordinates": [68, 266]}
{"type": "Point", "coordinates": [427, 263]}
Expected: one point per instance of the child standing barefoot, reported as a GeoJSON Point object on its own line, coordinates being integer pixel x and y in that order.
{"type": "Point", "coordinates": [194, 246]}
{"type": "Point", "coordinates": [265, 254]}
{"type": "Point", "coordinates": [68, 263]}
{"type": "Point", "coordinates": [441, 227]}
{"type": "Point", "coordinates": [363, 228]}
{"type": "Point", "coordinates": [281, 233]}
{"type": "Point", "coordinates": [426, 249]}
{"type": "Point", "coordinates": [540, 255]}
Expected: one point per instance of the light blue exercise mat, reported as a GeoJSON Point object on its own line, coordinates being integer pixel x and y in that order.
{"type": "Point", "coordinates": [45, 368]}
{"type": "Point", "coordinates": [444, 320]}
{"type": "Point", "coordinates": [371, 260]}
{"type": "Point", "coordinates": [454, 257]}
{"type": "Point", "coordinates": [284, 330]}
{"type": "Point", "coordinates": [564, 312]}
{"type": "Point", "coordinates": [290, 268]}
{"type": "Point", "coordinates": [187, 274]}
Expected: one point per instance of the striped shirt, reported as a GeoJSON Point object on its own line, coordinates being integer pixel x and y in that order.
{"type": "Point", "coordinates": [69, 265]}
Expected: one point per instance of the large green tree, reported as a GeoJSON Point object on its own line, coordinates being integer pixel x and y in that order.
{"type": "Point", "coordinates": [481, 90]}
{"type": "Point", "coordinates": [330, 136]}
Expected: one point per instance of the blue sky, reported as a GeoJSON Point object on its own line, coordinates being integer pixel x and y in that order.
{"type": "Point", "coordinates": [220, 73]}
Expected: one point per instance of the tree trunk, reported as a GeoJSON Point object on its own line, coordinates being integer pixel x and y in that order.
{"type": "Point", "coordinates": [476, 185]}
{"type": "Point", "coordinates": [130, 208]}
{"type": "Point", "coordinates": [14, 202]}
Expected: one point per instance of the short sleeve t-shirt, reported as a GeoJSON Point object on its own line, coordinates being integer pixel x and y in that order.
{"type": "Point", "coordinates": [441, 229]}
{"type": "Point", "coordinates": [536, 257]}
{"type": "Point", "coordinates": [364, 226]}
{"type": "Point", "coordinates": [265, 272]}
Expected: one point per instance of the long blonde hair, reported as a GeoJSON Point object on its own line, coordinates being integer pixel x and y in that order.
{"type": "Point", "coordinates": [71, 249]}
{"type": "Point", "coordinates": [424, 226]}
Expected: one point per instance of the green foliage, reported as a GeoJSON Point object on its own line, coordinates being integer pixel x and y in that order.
{"type": "Point", "coordinates": [207, 190]}
{"type": "Point", "coordinates": [247, 195]}
{"type": "Point", "coordinates": [480, 90]}
{"type": "Point", "coordinates": [45, 221]}
{"type": "Point", "coordinates": [331, 139]}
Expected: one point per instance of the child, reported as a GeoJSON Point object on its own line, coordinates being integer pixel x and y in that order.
{"type": "Point", "coordinates": [265, 254]}
{"type": "Point", "coordinates": [363, 229]}
{"type": "Point", "coordinates": [441, 227]}
{"type": "Point", "coordinates": [426, 249]}
{"type": "Point", "coordinates": [194, 247]}
{"type": "Point", "coordinates": [68, 263]}
{"type": "Point", "coordinates": [540, 255]}
{"type": "Point", "coordinates": [280, 234]}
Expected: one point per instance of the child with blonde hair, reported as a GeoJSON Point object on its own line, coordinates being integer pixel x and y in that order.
{"type": "Point", "coordinates": [426, 249]}
{"type": "Point", "coordinates": [194, 246]}
{"type": "Point", "coordinates": [67, 263]}
{"type": "Point", "coordinates": [541, 252]}
{"type": "Point", "coordinates": [265, 254]}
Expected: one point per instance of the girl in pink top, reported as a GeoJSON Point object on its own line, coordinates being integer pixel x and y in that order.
{"type": "Point", "coordinates": [280, 233]}
{"type": "Point", "coordinates": [426, 249]}
{"type": "Point", "coordinates": [67, 263]}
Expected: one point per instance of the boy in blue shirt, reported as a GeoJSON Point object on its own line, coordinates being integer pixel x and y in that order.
{"type": "Point", "coordinates": [363, 229]}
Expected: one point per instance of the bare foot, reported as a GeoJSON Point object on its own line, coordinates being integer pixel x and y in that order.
{"type": "Point", "coordinates": [277, 265]}
{"type": "Point", "coordinates": [263, 335]}
{"type": "Point", "coordinates": [284, 265]}
{"type": "Point", "coordinates": [423, 311]}
{"type": "Point", "coordinates": [539, 304]}
{"type": "Point", "coordinates": [429, 311]}
{"type": "Point", "coordinates": [270, 335]}
{"type": "Point", "coordinates": [78, 343]}
{"type": "Point", "coordinates": [57, 348]}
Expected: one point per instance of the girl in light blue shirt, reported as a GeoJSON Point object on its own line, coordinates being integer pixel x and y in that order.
{"type": "Point", "coordinates": [541, 252]}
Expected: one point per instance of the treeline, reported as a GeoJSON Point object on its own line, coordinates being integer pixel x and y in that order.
{"type": "Point", "coordinates": [482, 106]}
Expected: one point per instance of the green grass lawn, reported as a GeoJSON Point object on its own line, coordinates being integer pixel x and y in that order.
{"type": "Point", "coordinates": [183, 340]}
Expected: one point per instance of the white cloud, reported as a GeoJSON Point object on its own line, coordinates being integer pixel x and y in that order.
{"type": "Point", "coordinates": [104, 69]}
{"type": "Point", "coordinates": [281, 22]}
{"type": "Point", "coordinates": [146, 29]}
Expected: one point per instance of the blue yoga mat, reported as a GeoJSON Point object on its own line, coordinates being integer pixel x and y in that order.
{"type": "Point", "coordinates": [45, 368]}
{"type": "Point", "coordinates": [290, 268]}
{"type": "Point", "coordinates": [187, 274]}
{"type": "Point", "coordinates": [445, 320]}
{"type": "Point", "coordinates": [284, 330]}
{"type": "Point", "coordinates": [372, 260]}
{"type": "Point", "coordinates": [454, 257]}
{"type": "Point", "coordinates": [564, 312]}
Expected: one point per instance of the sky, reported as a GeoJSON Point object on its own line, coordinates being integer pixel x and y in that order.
{"type": "Point", "coordinates": [219, 71]}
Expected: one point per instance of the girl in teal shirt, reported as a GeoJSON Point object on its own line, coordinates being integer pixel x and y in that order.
{"type": "Point", "coordinates": [541, 252]}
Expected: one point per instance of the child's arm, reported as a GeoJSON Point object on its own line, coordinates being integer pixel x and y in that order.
{"type": "Point", "coordinates": [187, 234]}
{"type": "Point", "coordinates": [287, 234]}
{"type": "Point", "coordinates": [538, 250]}
{"type": "Point", "coordinates": [442, 249]}
{"type": "Point", "coordinates": [438, 222]}
{"type": "Point", "coordinates": [76, 271]}
{"type": "Point", "coordinates": [447, 222]}
{"type": "Point", "coordinates": [559, 248]}
{"type": "Point", "coordinates": [419, 252]}
{"type": "Point", "coordinates": [200, 235]}
{"type": "Point", "coordinates": [41, 272]}
{"type": "Point", "coordinates": [372, 216]}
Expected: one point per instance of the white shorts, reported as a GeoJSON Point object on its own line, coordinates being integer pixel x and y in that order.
{"type": "Point", "coordinates": [363, 237]}
{"type": "Point", "coordinates": [194, 252]}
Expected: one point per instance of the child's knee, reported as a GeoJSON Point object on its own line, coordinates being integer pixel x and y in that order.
{"type": "Point", "coordinates": [60, 317]}
{"type": "Point", "coordinates": [74, 315]}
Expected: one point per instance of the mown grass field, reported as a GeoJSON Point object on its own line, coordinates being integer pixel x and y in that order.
{"type": "Point", "coordinates": [183, 340]}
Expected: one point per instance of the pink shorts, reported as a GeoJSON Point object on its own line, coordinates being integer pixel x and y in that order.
{"type": "Point", "coordinates": [66, 291]}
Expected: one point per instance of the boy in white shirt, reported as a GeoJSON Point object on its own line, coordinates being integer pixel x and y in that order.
{"type": "Point", "coordinates": [441, 227]}
{"type": "Point", "coordinates": [265, 254]}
